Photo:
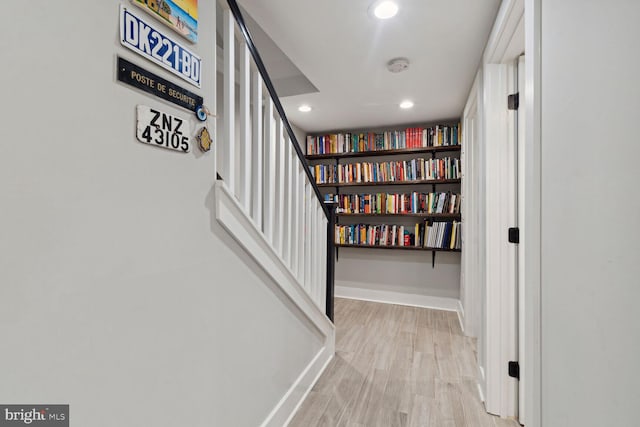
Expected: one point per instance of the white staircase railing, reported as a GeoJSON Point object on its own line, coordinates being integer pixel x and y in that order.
{"type": "Point", "coordinates": [263, 169]}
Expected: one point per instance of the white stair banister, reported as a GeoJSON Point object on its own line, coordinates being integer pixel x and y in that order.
{"type": "Point", "coordinates": [246, 166]}
{"type": "Point", "coordinates": [280, 171]}
{"type": "Point", "coordinates": [257, 148]}
{"type": "Point", "coordinates": [313, 239]}
{"type": "Point", "coordinates": [228, 36]}
{"type": "Point", "coordinates": [301, 198]}
{"type": "Point", "coordinates": [322, 238]}
{"type": "Point", "coordinates": [286, 217]}
{"type": "Point", "coordinates": [307, 236]}
{"type": "Point", "coordinates": [320, 264]}
{"type": "Point", "coordinates": [269, 193]}
{"type": "Point", "coordinates": [293, 224]}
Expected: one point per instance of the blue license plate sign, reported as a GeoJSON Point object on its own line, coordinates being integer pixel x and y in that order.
{"type": "Point", "coordinates": [147, 41]}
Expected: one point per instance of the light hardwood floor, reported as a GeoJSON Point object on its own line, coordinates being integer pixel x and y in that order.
{"type": "Point", "coordinates": [397, 366]}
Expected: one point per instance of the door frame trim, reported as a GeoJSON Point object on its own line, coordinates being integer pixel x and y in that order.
{"type": "Point", "coordinates": [506, 43]}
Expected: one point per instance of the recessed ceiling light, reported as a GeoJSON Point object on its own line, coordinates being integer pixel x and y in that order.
{"type": "Point", "coordinates": [304, 108]}
{"type": "Point", "coordinates": [406, 104]}
{"type": "Point", "coordinates": [385, 9]}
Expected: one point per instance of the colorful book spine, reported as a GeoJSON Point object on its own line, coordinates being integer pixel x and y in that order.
{"type": "Point", "coordinates": [429, 235]}
{"type": "Point", "coordinates": [409, 138]}
{"type": "Point", "coordinates": [375, 172]}
{"type": "Point", "coordinates": [443, 235]}
{"type": "Point", "coordinates": [400, 203]}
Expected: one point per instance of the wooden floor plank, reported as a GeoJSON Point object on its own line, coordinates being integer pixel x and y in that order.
{"type": "Point", "coordinates": [397, 366]}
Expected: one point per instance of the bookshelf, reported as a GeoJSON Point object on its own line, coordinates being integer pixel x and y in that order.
{"type": "Point", "coordinates": [416, 215]}
{"type": "Point", "coordinates": [376, 153]}
{"type": "Point", "coordinates": [385, 183]}
{"type": "Point", "coordinates": [409, 248]}
{"type": "Point", "coordinates": [379, 181]}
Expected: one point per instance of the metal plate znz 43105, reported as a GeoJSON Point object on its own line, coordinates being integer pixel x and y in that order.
{"type": "Point", "coordinates": [163, 130]}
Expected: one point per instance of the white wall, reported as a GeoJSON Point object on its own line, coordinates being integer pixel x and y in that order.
{"type": "Point", "coordinates": [590, 213]}
{"type": "Point", "coordinates": [120, 294]}
{"type": "Point", "coordinates": [301, 136]}
{"type": "Point", "coordinates": [404, 272]}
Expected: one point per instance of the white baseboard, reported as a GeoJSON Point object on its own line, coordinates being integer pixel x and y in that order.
{"type": "Point", "coordinates": [399, 298]}
{"type": "Point", "coordinates": [480, 382]}
{"type": "Point", "coordinates": [480, 392]}
{"type": "Point", "coordinates": [461, 315]}
{"type": "Point", "coordinates": [286, 409]}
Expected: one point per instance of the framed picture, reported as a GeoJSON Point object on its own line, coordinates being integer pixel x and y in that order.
{"type": "Point", "coordinates": [180, 15]}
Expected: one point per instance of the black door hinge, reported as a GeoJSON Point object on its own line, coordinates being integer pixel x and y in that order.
{"type": "Point", "coordinates": [514, 235]}
{"type": "Point", "coordinates": [514, 370]}
{"type": "Point", "coordinates": [513, 101]}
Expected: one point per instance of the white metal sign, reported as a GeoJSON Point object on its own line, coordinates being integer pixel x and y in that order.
{"type": "Point", "coordinates": [142, 38]}
{"type": "Point", "coordinates": [163, 130]}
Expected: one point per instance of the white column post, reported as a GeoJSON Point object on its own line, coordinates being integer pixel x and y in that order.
{"type": "Point", "coordinates": [322, 256]}
{"type": "Point", "coordinates": [229, 98]}
{"type": "Point", "coordinates": [295, 212]}
{"type": "Point", "coordinates": [307, 236]}
{"type": "Point", "coordinates": [313, 233]}
{"type": "Point", "coordinates": [246, 167]}
{"type": "Point", "coordinates": [301, 224]}
{"type": "Point", "coordinates": [280, 196]}
{"type": "Point", "coordinates": [270, 172]}
{"type": "Point", "coordinates": [257, 149]}
{"type": "Point", "coordinates": [286, 217]}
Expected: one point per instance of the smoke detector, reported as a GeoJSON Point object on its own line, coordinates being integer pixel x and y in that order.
{"type": "Point", "coordinates": [398, 65]}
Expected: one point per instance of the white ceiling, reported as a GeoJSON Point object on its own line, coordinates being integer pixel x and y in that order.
{"type": "Point", "coordinates": [342, 51]}
{"type": "Point", "coordinates": [287, 79]}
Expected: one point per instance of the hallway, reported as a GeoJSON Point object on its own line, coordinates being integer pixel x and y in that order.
{"type": "Point", "coordinates": [397, 366]}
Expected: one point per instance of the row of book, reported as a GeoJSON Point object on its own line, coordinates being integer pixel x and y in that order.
{"type": "Point", "coordinates": [437, 235]}
{"type": "Point", "coordinates": [391, 171]}
{"type": "Point", "coordinates": [445, 235]}
{"type": "Point", "coordinates": [397, 203]}
{"type": "Point", "coordinates": [418, 137]}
